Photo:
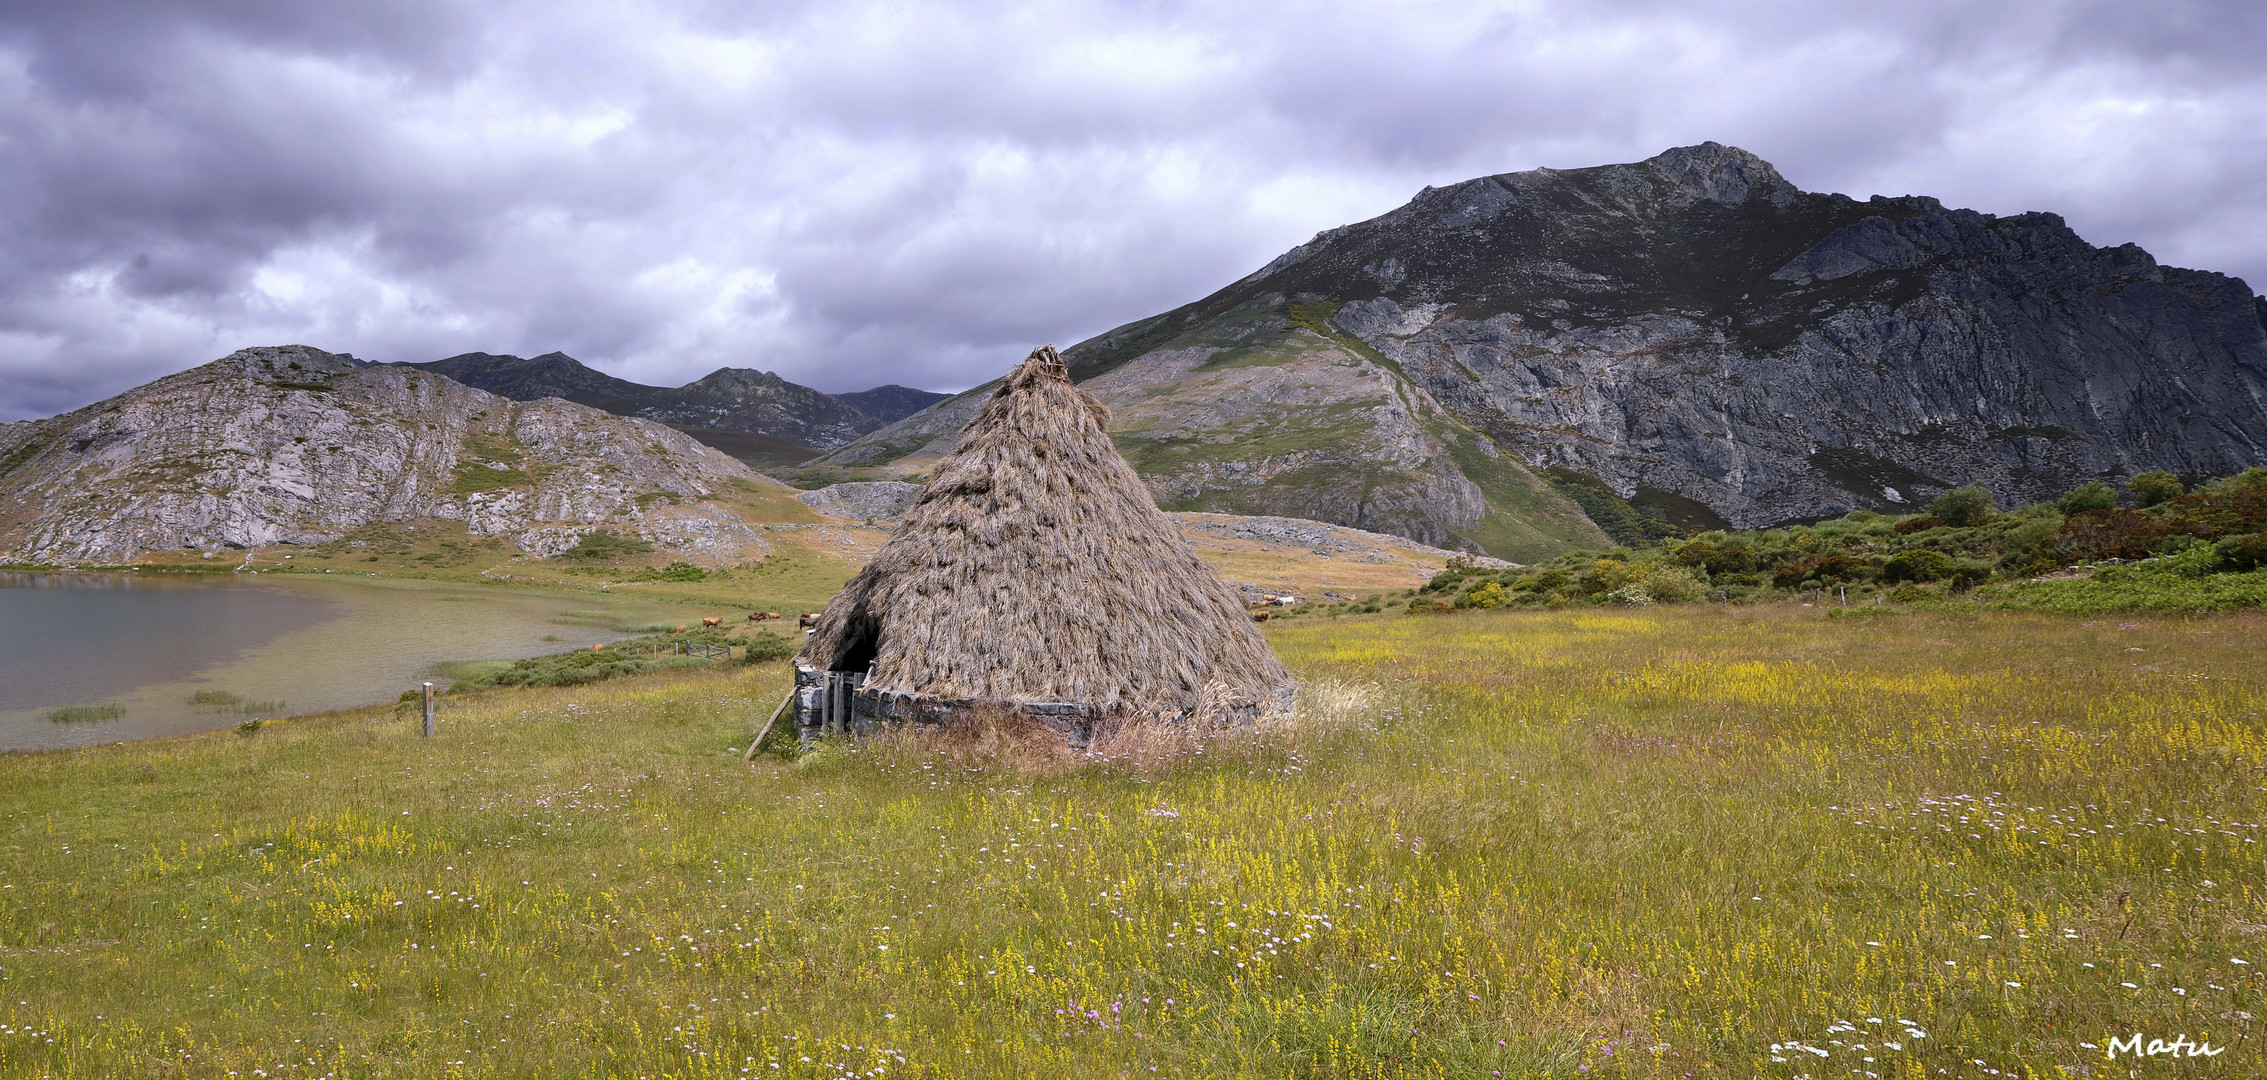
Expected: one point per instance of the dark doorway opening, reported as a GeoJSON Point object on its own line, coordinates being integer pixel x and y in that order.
{"type": "Point", "coordinates": [857, 654]}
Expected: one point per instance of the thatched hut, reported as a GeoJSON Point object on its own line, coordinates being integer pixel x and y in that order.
{"type": "Point", "coordinates": [1034, 573]}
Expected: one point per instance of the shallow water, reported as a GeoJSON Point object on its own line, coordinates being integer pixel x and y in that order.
{"type": "Point", "coordinates": [293, 644]}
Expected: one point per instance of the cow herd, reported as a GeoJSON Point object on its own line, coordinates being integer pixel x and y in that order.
{"type": "Point", "coordinates": [1270, 600]}
{"type": "Point", "coordinates": [806, 620]}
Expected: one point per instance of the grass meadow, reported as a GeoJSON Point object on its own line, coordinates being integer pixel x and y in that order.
{"type": "Point", "coordinates": [1663, 842]}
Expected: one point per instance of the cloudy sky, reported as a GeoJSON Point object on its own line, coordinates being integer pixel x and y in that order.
{"type": "Point", "coordinates": [855, 193]}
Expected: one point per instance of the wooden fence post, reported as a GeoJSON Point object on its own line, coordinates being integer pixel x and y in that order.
{"type": "Point", "coordinates": [428, 710]}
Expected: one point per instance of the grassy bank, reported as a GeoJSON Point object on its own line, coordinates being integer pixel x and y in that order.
{"type": "Point", "coordinates": [1656, 842]}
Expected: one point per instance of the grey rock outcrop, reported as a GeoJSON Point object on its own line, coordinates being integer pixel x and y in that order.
{"type": "Point", "coordinates": [877, 500]}
{"type": "Point", "coordinates": [293, 445]}
{"type": "Point", "coordinates": [1318, 538]}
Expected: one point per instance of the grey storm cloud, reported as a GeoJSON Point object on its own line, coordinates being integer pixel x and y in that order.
{"type": "Point", "coordinates": [855, 193]}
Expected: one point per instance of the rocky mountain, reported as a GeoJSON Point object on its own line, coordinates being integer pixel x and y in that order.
{"type": "Point", "coordinates": [294, 445]}
{"type": "Point", "coordinates": [553, 374]}
{"type": "Point", "coordinates": [759, 402]}
{"type": "Point", "coordinates": [1257, 415]}
{"type": "Point", "coordinates": [892, 402]}
{"type": "Point", "coordinates": [1693, 338]}
{"type": "Point", "coordinates": [879, 500]}
{"type": "Point", "coordinates": [791, 422]}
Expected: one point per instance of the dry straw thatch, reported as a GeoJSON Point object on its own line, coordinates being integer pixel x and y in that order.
{"type": "Point", "coordinates": [1035, 568]}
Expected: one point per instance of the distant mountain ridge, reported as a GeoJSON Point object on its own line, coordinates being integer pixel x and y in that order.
{"type": "Point", "coordinates": [295, 445]}
{"type": "Point", "coordinates": [790, 422]}
{"type": "Point", "coordinates": [891, 402]}
{"type": "Point", "coordinates": [1694, 335]}
{"type": "Point", "coordinates": [553, 374]}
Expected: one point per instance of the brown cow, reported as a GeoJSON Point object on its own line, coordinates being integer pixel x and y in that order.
{"type": "Point", "coordinates": [679, 630]}
{"type": "Point", "coordinates": [1262, 616]}
{"type": "Point", "coordinates": [712, 620]}
{"type": "Point", "coordinates": [809, 619]}
{"type": "Point", "coordinates": [759, 616]}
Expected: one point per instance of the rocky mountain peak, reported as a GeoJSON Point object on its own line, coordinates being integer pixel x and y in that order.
{"type": "Point", "coordinates": [282, 362]}
{"type": "Point", "coordinates": [1722, 174]}
{"type": "Point", "coordinates": [732, 380]}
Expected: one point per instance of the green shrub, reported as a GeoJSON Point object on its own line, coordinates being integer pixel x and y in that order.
{"type": "Point", "coordinates": [2033, 532]}
{"type": "Point", "coordinates": [1639, 584]}
{"type": "Point", "coordinates": [1919, 564]}
{"type": "Point", "coordinates": [1673, 585]}
{"type": "Point", "coordinates": [569, 669]}
{"type": "Point", "coordinates": [2242, 553]}
{"type": "Point", "coordinates": [1717, 554]}
{"type": "Point", "coordinates": [2155, 486]}
{"type": "Point", "coordinates": [1967, 574]}
{"type": "Point", "coordinates": [603, 544]}
{"type": "Point", "coordinates": [2251, 477]}
{"type": "Point", "coordinates": [676, 571]}
{"type": "Point", "coordinates": [2091, 495]}
{"type": "Point", "coordinates": [1626, 522]}
{"type": "Point", "coordinates": [1603, 576]}
{"type": "Point", "coordinates": [1963, 507]}
{"type": "Point", "coordinates": [766, 646]}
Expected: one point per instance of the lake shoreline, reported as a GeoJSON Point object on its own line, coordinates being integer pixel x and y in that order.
{"type": "Point", "coordinates": [95, 657]}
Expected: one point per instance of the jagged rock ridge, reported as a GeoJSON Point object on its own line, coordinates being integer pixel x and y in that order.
{"type": "Point", "coordinates": [738, 400]}
{"type": "Point", "coordinates": [1702, 336]}
{"type": "Point", "coordinates": [295, 445]}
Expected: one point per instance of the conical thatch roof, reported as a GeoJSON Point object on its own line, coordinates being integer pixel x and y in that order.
{"type": "Point", "coordinates": [1035, 568]}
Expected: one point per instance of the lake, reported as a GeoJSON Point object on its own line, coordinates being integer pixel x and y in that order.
{"type": "Point", "coordinates": [97, 658]}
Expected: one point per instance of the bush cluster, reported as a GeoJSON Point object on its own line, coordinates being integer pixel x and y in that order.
{"type": "Point", "coordinates": [676, 571]}
{"type": "Point", "coordinates": [654, 652]}
{"type": "Point", "coordinates": [1961, 542]}
{"type": "Point", "coordinates": [602, 544]}
{"type": "Point", "coordinates": [764, 646]}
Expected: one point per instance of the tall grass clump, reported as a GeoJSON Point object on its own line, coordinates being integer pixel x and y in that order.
{"type": "Point", "coordinates": [226, 702]}
{"type": "Point", "coordinates": [83, 714]}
